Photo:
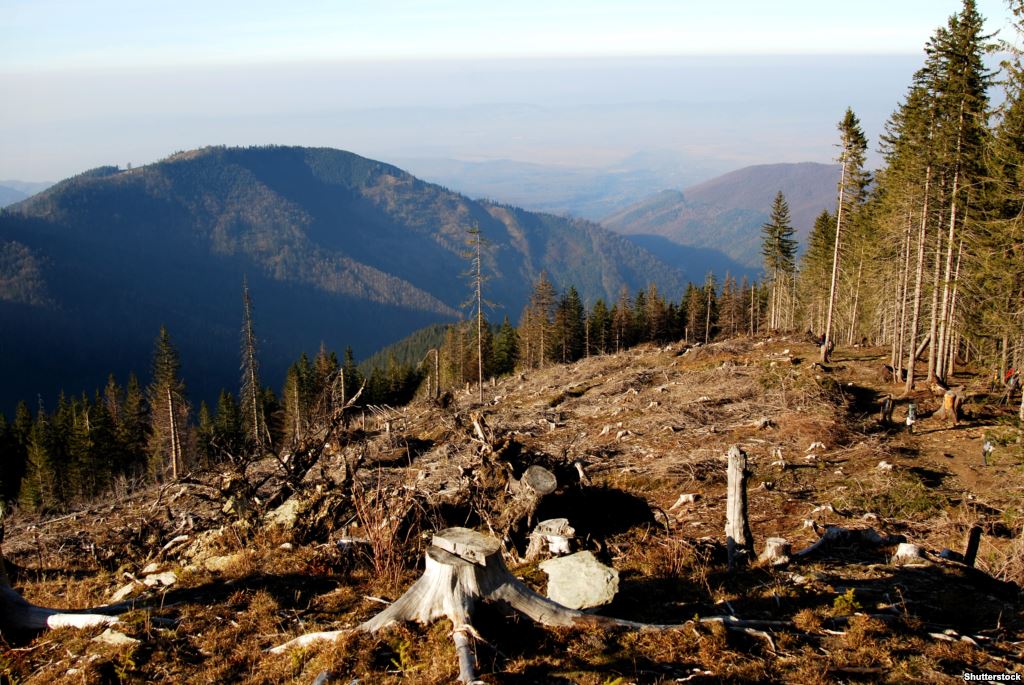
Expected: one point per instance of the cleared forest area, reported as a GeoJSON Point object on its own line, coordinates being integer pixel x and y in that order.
{"type": "Point", "coordinates": [218, 569]}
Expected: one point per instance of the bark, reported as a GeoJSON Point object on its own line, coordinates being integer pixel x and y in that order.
{"type": "Point", "coordinates": [835, 267]}
{"type": "Point", "coordinates": [739, 541]}
{"type": "Point", "coordinates": [933, 324]}
{"type": "Point", "coordinates": [19, 615]}
{"type": "Point", "coordinates": [915, 318]}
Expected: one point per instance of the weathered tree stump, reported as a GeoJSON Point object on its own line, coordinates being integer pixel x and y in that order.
{"type": "Point", "coordinates": [738, 540]}
{"type": "Point", "coordinates": [552, 535]}
{"type": "Point", "coordinates": [885, 414]}
{"type": "Point", "coordinates": [971, 543]}
{"type": "Point", "coordinates": [535, 484]}
{"type": "Point", "coordinates": [777, 552]}
{"type": "Point", "coordinates": [952, 401]}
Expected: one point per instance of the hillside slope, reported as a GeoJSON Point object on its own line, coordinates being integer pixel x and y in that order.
{"type": "Point", "coordinates": [727, 212]}
{"type": "Point", "coordinates": [337, 248]}
{"type": "Point", "coordinates": [645, 426]}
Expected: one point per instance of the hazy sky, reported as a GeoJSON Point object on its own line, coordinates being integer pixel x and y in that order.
{"type": "Point", "coordinates": [572, 82]}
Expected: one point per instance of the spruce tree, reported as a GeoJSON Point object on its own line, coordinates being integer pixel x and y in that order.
{"type": "Point", "coordinates": [852, 183]}
{"type": "Point", "coordinates": [778, 248]}
{"type": "Point", "coordinates": [506, 349]}
{"type": "Point", "coordinates": [169, 418]}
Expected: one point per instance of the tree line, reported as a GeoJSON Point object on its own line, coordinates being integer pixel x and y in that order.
{"type": "Point", "coordinates": [124, 436]}
{"type": "Point", "coordinates": [926, 256]}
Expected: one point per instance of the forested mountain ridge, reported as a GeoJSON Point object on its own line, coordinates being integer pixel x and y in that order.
{"type": "Point", "coordinates": [726, 213]}
{"type": "Point", "coordinates": [336, 247]}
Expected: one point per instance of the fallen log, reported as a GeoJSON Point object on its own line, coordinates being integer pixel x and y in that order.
{"type": "Point", "coordinates": [835, 536]}
{"type": "Point", "coordinates": [17, 614]}
{"type": "Point", "coordinates": [464, 567]}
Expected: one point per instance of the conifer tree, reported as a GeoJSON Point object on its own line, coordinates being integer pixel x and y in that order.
{"type": "Point", "coordinates": [600, 328]}
{"type": "Point", "coordinates": [852, 183]}
{"type": "Point", "coordinates": [506, 349]}
{"type": "Point", "coordinates": [168, 421]}
{"type": "Point", "coordinates": [537, 324]}
{"type": "Point", "coordinates": [778, 248]}
{"type": "Point", "coordinates": [130, 428]}
{"type": "Point", "coordinates": [568, 327]}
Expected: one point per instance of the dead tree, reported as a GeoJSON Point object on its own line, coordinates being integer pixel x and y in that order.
{"type": "Point", "coordinates": [738, 539]}
{"type": "Point", "coordinates": [18, 615]}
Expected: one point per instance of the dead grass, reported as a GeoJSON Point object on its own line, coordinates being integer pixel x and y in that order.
{"type": "Point", "coordinates": [222, 623]}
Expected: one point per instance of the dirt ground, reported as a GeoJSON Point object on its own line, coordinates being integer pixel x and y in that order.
{"type": "Point", "coordinates": [644, 427]}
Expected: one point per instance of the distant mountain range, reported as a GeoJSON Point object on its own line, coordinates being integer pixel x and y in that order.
{"type": "Point", "coordinates": [586, 192]}
{"type": "Point", "coordinates": [16, 191]}
{"type": "Point", "coordinates": [336, 248]}
{"type": "Point", "coordinates": [724, 215]}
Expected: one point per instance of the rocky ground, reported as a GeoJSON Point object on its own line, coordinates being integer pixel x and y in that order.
{"type": "Point", "coordinates": [625, 435]}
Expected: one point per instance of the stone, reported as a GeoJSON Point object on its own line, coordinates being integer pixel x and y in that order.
{"type": "Point", "coordinates": [152, 568]}
{"type": "Point", "coordinates": [124, 593]}
{"type": "Point", "coordinates": [219, 564]}
{"type": "Point", "coordinates": [165, 579]}
{"type": "Point", "coordinates": [116, 639]}
{"type": "Point", "coordinates": [580, 581]}
{"type": "Point", "coordinates": [286, 515]}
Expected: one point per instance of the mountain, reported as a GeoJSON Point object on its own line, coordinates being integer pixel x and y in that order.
{"type": "Point", "coordinates": [8, 195]}
{"type": "Point", "coordinates": [336, 248]}
{"type": "Point", "coordinates": [726, 213]}
{"type": "Point", "coordinates": [16, 191]}
{"type": "Point", "coordinates": [587, 192]}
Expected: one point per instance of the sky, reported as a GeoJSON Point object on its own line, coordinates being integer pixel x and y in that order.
{"type": "Point", "coordinates": [574, 83]}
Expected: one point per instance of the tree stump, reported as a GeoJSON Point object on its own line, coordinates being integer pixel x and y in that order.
{"type": "Point", "coordinates": [885, 415]}
{"type": "Point", "coordinates": [738, 540]}
{"type": "Point", "coordinates": [952, 401]}
{"type": "Point", "coordinates": [971, 545]}
{"type": "Point", "coordinates": [535, 484]}
{"type": "Point", "coordinates": [552, 535]}
{"type": "Point", "coordinates": [777, 552]}
{"type": "Point", "coordinates": [462, 568]}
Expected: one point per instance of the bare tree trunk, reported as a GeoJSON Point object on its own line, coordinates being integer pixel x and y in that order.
{"type": "Point", "coordinates": [707, 321]}
{"type": "Point", "coordinates": [835, 267]}
{"type": "Point", "coordinates": [945, 309]}
{"type": "Point", "coordinates": [934, 319]}
{"type": "Point", "coordinates": [900, 339]}
{"type": "Point", "coordinates": [916, 316]}
{"type": "Point", "coordinates": [950, 347]}
{"type": "Point", "coordinates": [856, 303]}
{"type": "Point", "coordinates": [173, 424]}
{"type": "Point", "coordinates": [737, 528]}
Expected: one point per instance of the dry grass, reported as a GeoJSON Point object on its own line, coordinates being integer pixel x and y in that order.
{"type": "Point", "coordinates": [672, 568]}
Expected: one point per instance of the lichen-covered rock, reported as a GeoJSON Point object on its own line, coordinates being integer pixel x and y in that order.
{"type": "Point", "coordinates": [580, 581]}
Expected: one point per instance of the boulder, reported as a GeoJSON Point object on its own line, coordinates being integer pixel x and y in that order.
{"type": "Point", "coordinates": [580, 581]}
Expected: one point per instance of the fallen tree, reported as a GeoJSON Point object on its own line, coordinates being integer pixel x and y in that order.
{"type": "Point", "coordinates": [18, 615]}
